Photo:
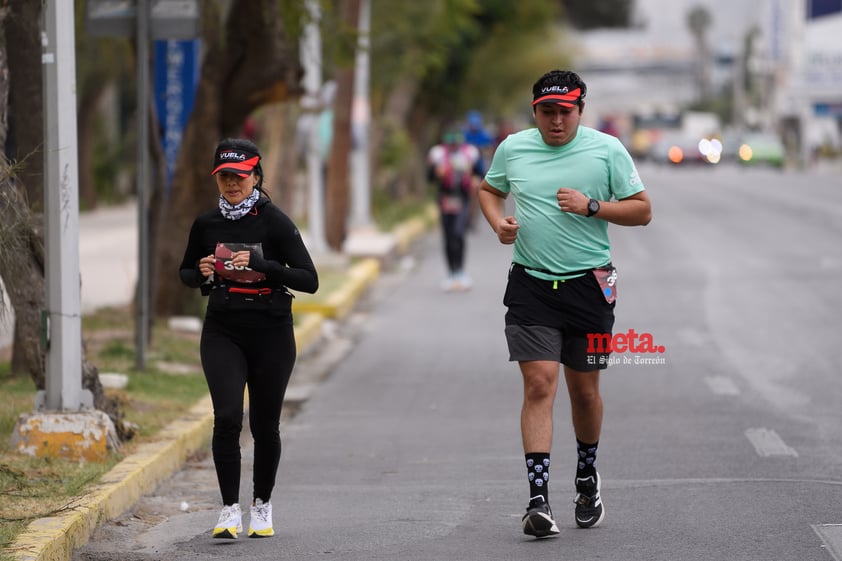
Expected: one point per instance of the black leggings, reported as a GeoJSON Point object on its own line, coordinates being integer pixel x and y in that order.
{"type": "Point", "coordinates": [454, 229]}
{"type": "Point", "coordinates": [233, 357]}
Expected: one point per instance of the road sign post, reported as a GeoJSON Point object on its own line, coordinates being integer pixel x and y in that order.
{"type": "Point", "coordinates": [144, 20]}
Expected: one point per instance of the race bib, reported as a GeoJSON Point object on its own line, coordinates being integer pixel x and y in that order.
{"type": "Point", "coordinates": [225, 269]}
{"type": "Point", "coordinates": [451, 204]}
{"type": "Point", "coordinates": [607, 279]}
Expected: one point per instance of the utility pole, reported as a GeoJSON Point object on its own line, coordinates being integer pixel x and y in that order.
{"type": "Point", "coordinates": [741, 58]}
{"type": "Point", "coordinates": [360, 125]}
{"type": "Point", "coordinates": [63, 388]}
{"type": "Point", "coordinates": [142, 314]}
{"type": "Point", "coordinates": [798, 78]}
{"type": "Point", "coordinates": [311, 59]}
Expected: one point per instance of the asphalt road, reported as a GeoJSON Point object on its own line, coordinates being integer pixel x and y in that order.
{"type": "Point", "coordinates": [726, 446]}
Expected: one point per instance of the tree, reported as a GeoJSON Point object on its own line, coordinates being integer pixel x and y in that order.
{"type": "Point", "coordinates": [250, 60]}
{"type": "Point", "coordinates": [338, 171]}
{"type": "Point", "coordinates": [23, 149]}
{"type": "Point", "coordinates": [698, 22]}
{"type": "Point", "coordinates": [25, 98]}
{"type": "Point", "coordinates": [432, 61]}
{"type": "Point", "coordinates": [22, 255]}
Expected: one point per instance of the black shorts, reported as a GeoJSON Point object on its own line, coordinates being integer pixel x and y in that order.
{"type": "Point", "coordinates": [565, 321]}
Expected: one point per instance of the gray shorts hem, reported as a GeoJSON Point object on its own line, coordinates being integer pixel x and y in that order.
{"type": "Point", "coordinates": [536, 342]}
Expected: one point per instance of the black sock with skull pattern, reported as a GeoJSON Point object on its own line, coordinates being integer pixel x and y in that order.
{"type": "Point", "coordinates": [538, 471]}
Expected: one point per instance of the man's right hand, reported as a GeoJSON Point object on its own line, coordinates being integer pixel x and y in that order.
{"type": "Point", "coordinates": [507, 230]}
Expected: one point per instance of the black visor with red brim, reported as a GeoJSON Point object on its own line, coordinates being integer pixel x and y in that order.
{"type": "Point", "coordinates": [559, 95]}
{"type": "Point", "coordinates": [241, 162]}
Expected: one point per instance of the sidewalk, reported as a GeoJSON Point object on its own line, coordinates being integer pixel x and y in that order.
{"type": "Point", "coordinates": [55, 538]}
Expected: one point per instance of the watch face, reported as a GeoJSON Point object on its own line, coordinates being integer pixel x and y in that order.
{"type": "Point", "coordinates": [593, 206]}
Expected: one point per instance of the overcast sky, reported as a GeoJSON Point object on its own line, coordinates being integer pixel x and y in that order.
{"type": "Point", "coordinates": [666, 20]}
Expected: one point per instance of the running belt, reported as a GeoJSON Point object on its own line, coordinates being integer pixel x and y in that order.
{"type": "Point", "coordinates": [556, 273]}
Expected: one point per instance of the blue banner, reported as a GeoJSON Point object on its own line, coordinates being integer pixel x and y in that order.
{"type": "Point", "coordinates": [176, 78]}
{"type": "Point", "coordinates": [819, 8]}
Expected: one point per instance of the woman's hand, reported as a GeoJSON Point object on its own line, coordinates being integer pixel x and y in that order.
{"type": "Point", "coordinates": [240, 259]}
{"type": "Point", "coordinates": [206, 265]}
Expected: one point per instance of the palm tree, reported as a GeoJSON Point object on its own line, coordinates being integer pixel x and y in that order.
{"type": "Point", "coordinates": [698, 22]}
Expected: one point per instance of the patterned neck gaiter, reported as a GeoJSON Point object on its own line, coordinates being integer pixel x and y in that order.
{"type": "Point", "coordinates": [235, 212]}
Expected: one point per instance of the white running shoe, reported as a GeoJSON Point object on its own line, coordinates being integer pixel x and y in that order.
{"type": "Point", "coordinates": [457, 282]}
{"type": "Point", "coordinates": [230, 522]}
{"type": "Point", "coordinates": [260, 525]}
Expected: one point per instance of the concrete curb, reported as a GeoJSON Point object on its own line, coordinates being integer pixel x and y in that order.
{"type": "Point", "coordinates": [56, 537]}
{"type": "Point", "coordinates": [308, 331]}
{"type": "Point", "coordinates": [341, 301]}
{"type": "Point", "coordinates": [410, 230]}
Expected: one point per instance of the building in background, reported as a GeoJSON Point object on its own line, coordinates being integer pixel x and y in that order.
{"type": "Point", "coordinates": [802, 54]}
{"type": "Point", "coordinates": [648, 72]}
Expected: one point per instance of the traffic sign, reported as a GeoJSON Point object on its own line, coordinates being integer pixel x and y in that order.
{"type": "Point", "coordinates": [169, 19]}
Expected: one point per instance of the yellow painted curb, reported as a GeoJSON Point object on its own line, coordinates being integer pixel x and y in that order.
{"type": "Point", "coordinates": [55, 538]}
{"type": "Point", "coordinates": [308, 331]}
{"type": "Point", "coordinates": [412, 229]}
{"type": "Point", "coordinates": [340, 302]}
{"type": "Point", "coordinates": [407, 232]}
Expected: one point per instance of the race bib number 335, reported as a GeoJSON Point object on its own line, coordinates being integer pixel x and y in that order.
{"type": "Point", "coordinates": [224, 265]}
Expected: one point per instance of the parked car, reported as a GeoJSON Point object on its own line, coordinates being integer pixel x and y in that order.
{"type": "Point", "coordinates": [648, 128]}
{"type": "Point", "coordinates": [679, 148]}
{"type": "Point", "coordinates": [761, 149]}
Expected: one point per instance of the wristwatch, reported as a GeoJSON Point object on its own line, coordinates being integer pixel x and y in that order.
{"type": "Point", "coordinates": [593, 207]}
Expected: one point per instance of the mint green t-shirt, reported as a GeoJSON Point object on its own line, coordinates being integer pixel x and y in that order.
{"type": "Point", "coordinates": [595, 163]}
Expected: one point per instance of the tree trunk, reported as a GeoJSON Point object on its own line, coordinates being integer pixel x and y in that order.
{"type": "Point", "coordinates": [396, 113]}
{"type": "Point", "coordinates": [23, 148]}
{"type": "Point", "coordinates": [338, 171]}
{"type": "Point", "coordinates": [4, 88]}
{"type": "Point", "coordinates": [86, 117]}
{"type": "Point", "coordinates": [280, 156]}
{"type": "Point", "coordinates": [249, 63]}
{"type": "Point", "coordinates": [26, 104]}
{"type": "Point", "coordinates": [111, 406]}
{"type": "Point", "coordinates": [23, 271]}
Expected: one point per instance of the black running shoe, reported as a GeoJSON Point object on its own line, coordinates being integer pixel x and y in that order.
{"type": "Point", "coordinates": [538, 520]}
{"type": "Point", "coordinates": [589, 508]}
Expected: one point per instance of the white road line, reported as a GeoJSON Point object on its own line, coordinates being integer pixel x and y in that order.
{"type": "Point", "coordinates": [831, 536]}
{"type": "Point", "coordinates": [767, 443]}
{"type": "Point", "coordinates": [722, 385]}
